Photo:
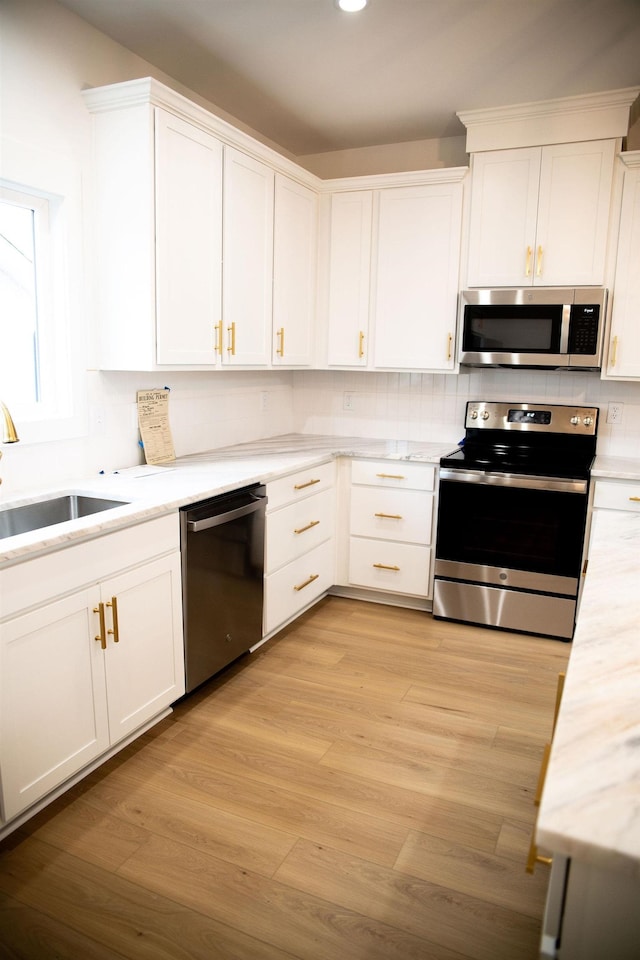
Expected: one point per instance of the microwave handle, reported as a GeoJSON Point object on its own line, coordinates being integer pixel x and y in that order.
{"type": "Point", "coordinates": [565, 325]}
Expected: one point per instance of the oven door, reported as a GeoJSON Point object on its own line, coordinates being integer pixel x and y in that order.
{"type": "Point", "coordinates": [522, 532]}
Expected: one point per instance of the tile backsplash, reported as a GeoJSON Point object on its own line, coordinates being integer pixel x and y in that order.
{"type": "Point", "coordinates": [212, 410]}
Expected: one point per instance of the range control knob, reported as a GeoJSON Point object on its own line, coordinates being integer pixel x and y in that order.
{"type": "Point", "coordinates": [473, 414]}
{"type": "Point", "coordinates": [588, 421]}
{"type": "Point", "coordinates": [575, 421]}
{"type": "Point", "coordinates": [485, 414]}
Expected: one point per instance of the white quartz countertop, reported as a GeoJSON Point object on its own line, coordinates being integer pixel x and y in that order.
{"type": "Point", "coordinates": [616, 468]}
{"type": "Point", "coordinates": [151, 491]}
{"type": "Point", "coordinates": [590, 807]}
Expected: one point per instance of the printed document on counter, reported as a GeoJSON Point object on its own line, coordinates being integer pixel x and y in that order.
{"type": "Point", "coordinates": [155, 431]}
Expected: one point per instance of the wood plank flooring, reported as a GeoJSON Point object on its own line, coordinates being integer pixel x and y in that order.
{"type": "Point", "coordinates": [361, 788]}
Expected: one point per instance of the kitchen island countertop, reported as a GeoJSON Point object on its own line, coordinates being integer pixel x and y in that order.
{"type": "Point", "coordinates": [590, 807]}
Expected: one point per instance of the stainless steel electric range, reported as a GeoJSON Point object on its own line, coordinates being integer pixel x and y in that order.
{"type": "Point", "coordinates": [512, 515]}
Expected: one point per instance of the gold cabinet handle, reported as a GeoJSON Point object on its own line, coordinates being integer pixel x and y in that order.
{"type": "Point", "coordinates": [614, 352]}
{"type": "Point", "coordinates": [361, 345]}
{"type": "Point", "coordinates": [384, 566]}
{"type": "Point", "coordinates": [539, 263]}
{"type": "Point", "coordinates": [634, 499]}
{"type": "Point", "coordinates": [232, 344]}
{"type": "Point", "coordinates": [391, 476]}
{"type": "Point", "coordinates": [280, 336]}
{"type": "Point", "coordinates": [217, 328]}
{"type": "Point", "coordinates": [314, 523]}
{"type": "Point", "coordinates": [301, 586]}
{"type": "Point", "coordinates": [449, 342]}
{"type": "Point", "coordinates": [535, 857]}
{"type": "Point", "coordinates": [113, 603]}
{"type": "Point", "coordinates": [527, 265]}
{"type": "Point", "coordinates": [102, 636]}
{"type": "Point", "coordinates": [389, 516]}
{"type": "Point", "coordinates": [309, 483]}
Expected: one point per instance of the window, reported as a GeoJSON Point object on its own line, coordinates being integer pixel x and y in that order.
{"type": "Point", "coordinates": [23, 225]}
{"type": "Point", "coordinates": [36, 362]}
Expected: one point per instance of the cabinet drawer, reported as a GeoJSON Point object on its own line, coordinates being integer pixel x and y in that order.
{"type": "Point", "coordinates": [298, 485]}
{"type": "Point", "coordinates": [298, 528]}
{"type": "Point", "coordinates": [391, 514]}
{"type": "Point", "coordinates": [293, 587]}
{"type": "Point", "coordinates": [617, 495]}
{"type": "Point", "coordinates": [392, 473]}
{"type": "Point", "coordinates": [394, 567]}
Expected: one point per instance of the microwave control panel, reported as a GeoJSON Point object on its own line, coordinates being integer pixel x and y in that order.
{"type": "Point", "coordinates": [583, 328]}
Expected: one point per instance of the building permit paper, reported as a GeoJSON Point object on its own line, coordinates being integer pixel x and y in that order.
{"type": "Point", "coordinates": [155, 432]}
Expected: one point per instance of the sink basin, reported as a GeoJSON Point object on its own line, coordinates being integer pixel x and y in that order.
{"type": "Point", "coordinates": [46, 513]}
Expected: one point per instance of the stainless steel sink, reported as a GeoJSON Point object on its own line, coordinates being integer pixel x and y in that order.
{"type": "Point", "coordinates": [47, 513]}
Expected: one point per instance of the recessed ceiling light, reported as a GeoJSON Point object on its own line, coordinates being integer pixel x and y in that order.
{"type": "Point", "coordinates": [352, 6]}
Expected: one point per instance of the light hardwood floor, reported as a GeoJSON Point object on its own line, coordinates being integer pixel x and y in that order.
{"type": "Point", "coordinates": [361, 788]}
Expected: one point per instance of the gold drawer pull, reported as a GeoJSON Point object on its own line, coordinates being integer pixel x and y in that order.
{"type": "Point", "coordinates": [635, 499]}
{"type": "Point", "coordinates": [301, 586]}
{"type": "Point", "coordinates": [309, 483]}
{"type": "Point", "coordinates": [113, 603]}
{"type": "Point", "coordinates": [543, 774]}
{"type": "Point", "coordinates": [391, 476]}
{"type": "Point", "coordinates": [102, 636]}
{"type": "Point", "coordinates": [389, 516]}
{"type": "Point", "coordinates": [385, 566]}
{"type": "Point", "coordinates": [314, 523]}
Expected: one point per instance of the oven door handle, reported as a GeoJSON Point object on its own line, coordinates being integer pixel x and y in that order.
{"type": "Point", "coordinates": [514, 480]}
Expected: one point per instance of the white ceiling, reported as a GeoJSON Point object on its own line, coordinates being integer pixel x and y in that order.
{"type": "Point", "coordinates": [313, 79]}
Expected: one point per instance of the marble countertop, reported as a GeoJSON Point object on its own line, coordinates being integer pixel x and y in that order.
{"type": "Point", "coordinates": [150, 491]}
{"type": "Point", "coordinates": [616, 468]}
{"type": "Point", "coordinates": [590, 807]}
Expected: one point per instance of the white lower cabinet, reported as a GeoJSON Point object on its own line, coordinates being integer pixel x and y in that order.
{"type": "Point", "coordinates": [617, 495]}
{"type": "Point", "coordinates": [391, 526]}
{"type": "Point", "coordinates": [299, 543]}
{"type": "Point", "coordinates": [81, 672]}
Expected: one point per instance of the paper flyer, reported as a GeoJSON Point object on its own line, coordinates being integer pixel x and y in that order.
{"type": "Point", "coordinates": [155, 432]}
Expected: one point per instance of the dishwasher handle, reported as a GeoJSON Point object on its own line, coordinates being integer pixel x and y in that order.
{"type": "Point", "coordinates": [197, 526]}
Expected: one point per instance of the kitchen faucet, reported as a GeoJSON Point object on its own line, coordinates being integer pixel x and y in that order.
{"type": "Point", "coordinates": [9, 434]}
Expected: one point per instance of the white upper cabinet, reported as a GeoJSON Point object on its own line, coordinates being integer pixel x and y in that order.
{"type": "Point", "coordinates": [416, 266]}
{"type": "Point", "coordinates": [349, 278]}
{"type": "Point", "coordinates": [294, 272]}
{"type": "Point", "coordinates": [183, 238]}
{"type": "Point", "coordinates": [540, 215]}
{"type": "Point", "coordinates": [393, 274]}
{"type": "Point", "coordinates": [623, 361]}
{"type": "Point", "coordinates": [247, 275]}
{"type": "Point", "coordinates": [188, 167]}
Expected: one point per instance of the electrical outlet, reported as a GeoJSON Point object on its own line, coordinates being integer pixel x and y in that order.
{"type": "Point", "coordinates": [264, 401]}
{"type": "Point", "coordinates": [348, 401]}
{"type": "Point", "coordinates": [614, 412]}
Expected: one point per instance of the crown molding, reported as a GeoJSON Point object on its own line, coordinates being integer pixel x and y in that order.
{"type": "Point", "coordinates": [597, 116]}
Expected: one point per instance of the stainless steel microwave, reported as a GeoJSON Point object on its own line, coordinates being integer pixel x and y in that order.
{"type": "Point", "coordinates": [552, 327]}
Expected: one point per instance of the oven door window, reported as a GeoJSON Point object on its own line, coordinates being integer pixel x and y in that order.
{"type": "Point", "coordinates": [541, 531]}
{"type": "Point", "coordinates": [508, 329]}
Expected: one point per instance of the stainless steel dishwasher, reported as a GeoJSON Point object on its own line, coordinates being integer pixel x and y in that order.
{"type": "Point", "coordinates": [222, 546]}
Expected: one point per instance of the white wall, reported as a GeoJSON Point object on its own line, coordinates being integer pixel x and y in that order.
{"type": "Point", "coordinates": [47, 57]}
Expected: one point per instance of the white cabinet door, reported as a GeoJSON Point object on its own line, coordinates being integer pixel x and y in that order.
{"type": "Point", "coordinates": [502, 228]}
{"type": "Point", "coordinates": [144, 655]}
{"type": "Point", "coordinates": [416, 276]}
{"type": "Point", "coordinates": [624, 345]}
{"type": "Point", "coordinates": [53, 702]}
{"type": "Point", "coordinates": [573, 213]}
{"type": "Point", "coordinates": [188, 242]}
{"type": "Point", "coordinates": [349, 278]}
{"type": "Point", "coordinates": [294, 272]}
{"type": "Point", "coordinates": [540, 215]}
{"type": "Point", "coordinates": [247, 273]}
